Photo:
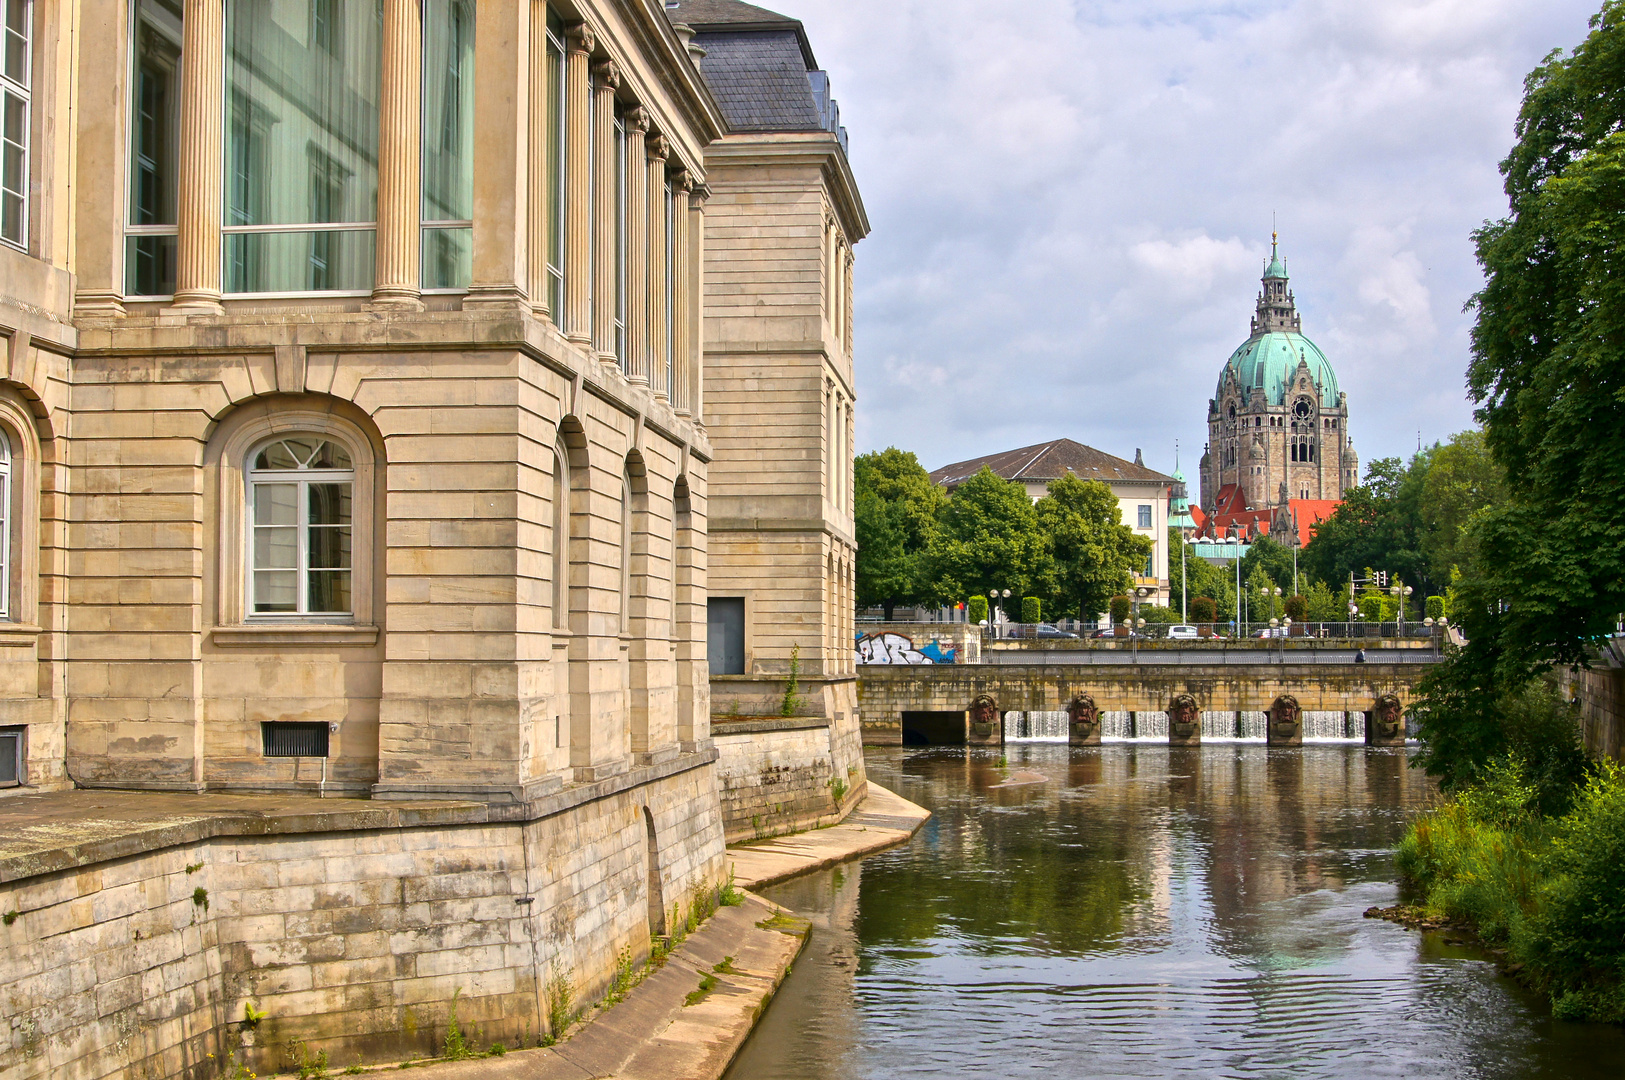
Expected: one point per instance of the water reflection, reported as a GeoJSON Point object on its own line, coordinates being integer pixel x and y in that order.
{"type": "Point", "coordinates": [1140, 910]}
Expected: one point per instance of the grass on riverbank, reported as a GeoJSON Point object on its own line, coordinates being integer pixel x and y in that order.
{"type": "Point", "coordinates": [1549, 889]}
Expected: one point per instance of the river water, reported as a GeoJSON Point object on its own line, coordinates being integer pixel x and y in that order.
{"type": "Point", "coordinates": [1137, 910]}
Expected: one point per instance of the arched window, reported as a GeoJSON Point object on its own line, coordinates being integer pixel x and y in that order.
{"type": "Point", "coordinates": [626, 551]}
{"type": "Point", "coordinates": [300, 492]}
{"type": "Point", "coordinates": [5, 526]}
{"type": "Point", "coordinates": [561, 537]}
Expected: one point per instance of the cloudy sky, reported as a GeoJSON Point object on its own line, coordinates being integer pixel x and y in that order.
{"type": "Point", "coordinates": [1071, 204]}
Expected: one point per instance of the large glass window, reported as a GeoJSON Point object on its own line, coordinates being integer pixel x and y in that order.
{"type": "Point", "coordinates": [300, 490]}
{"type": "Point", "coordinates": [668, 332]}
{"type": "Point", "coordinates": [14, 96]}
{"type": "Point", "coordinates": [555, 166]}
{"type": "Point", "coordinates": [619, 167]}
{"type": "Point", "coordinates": [448, 144]}
{"type": "Point", "coordinates": [155, 128]}
{"type": "Point", "coordinates": [301, 183]}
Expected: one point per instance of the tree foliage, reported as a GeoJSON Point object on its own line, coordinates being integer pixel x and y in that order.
{"type": "Point", "coordinates": [1092, 554]}
{"type": "Point", "coordinates": [895, 509]}
{"type": "Point", "coordinates": [989, 539]}
{"type": "Point", "coordinates": [1550, 388]}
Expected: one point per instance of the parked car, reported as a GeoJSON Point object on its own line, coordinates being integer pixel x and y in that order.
{"type": "Point", "coordinates": [1272, 631]}
{"type": "Point", "coordinates": [1183, 633]}
{"type": "Point", "coordinates": [1039, 630]}
{"type": "Point", "coordinates": [1111, 632]}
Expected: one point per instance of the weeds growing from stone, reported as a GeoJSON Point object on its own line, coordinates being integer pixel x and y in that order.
{"type": "Point", "coordinates": [707, 983]}
{"type": "Point", "coordinates": [561, 996]}
{"type": "Point", "coordinates": [792, 696]}
{"type": "Point", "coordinates": [457, 1046]}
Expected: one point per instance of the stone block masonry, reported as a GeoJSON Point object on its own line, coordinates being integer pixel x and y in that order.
{"type": "Point", "coordinates": [778, 776]}
{"type": "Point", "coordinates": [138, 926]}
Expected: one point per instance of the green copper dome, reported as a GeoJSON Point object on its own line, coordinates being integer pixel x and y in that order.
{"type": "Point", "coordinates": [1276, 268]}
{"type": "Point", "coordinates": [1269, 361]}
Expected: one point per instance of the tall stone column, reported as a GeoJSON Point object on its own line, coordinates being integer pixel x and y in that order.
{"type": "Point", "coordinates": [696, 299]}
{"type": "Point", "coordinates": [606, 80]}
{"type": "Point", "coordinates": [197, 260]}
{"type": "Point", "coordinates": [636, 361]}
{"type": "Point", "coordinates": [577, 184]}
{"type": "Point", "coordinates": [501, 270]}
{"type": "Point", "coordinates": [398, 280]}
{"type": "Point", "coordinates": [682, 315]}
{"type": "Point", "coordinates": [656, 151]}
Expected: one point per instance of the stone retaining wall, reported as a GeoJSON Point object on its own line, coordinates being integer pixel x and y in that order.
{"type": "Point", "coordinates": [780, 775]}
{"type": "Point", "coordinates": [350, 937]}
{"type": "Point", "coordinates": [1601, 694]}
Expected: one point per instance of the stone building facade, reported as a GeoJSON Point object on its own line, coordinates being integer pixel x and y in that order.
{"type": "Point", "coordinates": [333, 464]}
{"type": "Point", "coordinates": [1277, 424]}
{"type": "Point", "coordinates": [783, 217]}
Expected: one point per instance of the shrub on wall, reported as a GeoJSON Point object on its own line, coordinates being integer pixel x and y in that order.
{"type": "Point", "coordinates": [976, 610]}
{"type": "Point", "coordinates": [1030, 609]}
{"type": "Point", "coordinates": [1297, 608]}
{"type": "Point", "coordinates": [1435, 607]}
{"type": "Point", "coordinates": [1204, 609]}
{"type": "Point", "coordinates": [1120, 608]}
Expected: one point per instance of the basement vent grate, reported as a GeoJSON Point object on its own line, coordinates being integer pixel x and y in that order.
{"type": "Point", "coordinates": [294, 740]}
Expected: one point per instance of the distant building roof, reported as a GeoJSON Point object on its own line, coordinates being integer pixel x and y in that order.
{"type": "Point", "coordinates": [1232, 516]}
{"type": "Point", "coordinates": [760, 68]}
{"type": "Point", "coordinates": [1044, 462]}
{"type": "Point", "coordinates": [1304, 514]}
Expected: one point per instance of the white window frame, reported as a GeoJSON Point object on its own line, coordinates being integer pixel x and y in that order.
{"type": "Point", "coordinates": [6, 525]}
{"type": "Point", "coordinates": [22, 91]}
{"type": "Point", "coordinates": [301, 478]}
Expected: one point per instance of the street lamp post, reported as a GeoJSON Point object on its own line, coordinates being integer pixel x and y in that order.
{"type": "Point", "coordinates": [1401, 591]}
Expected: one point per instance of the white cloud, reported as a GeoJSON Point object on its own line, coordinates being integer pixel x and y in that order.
{"type": "Point", "coordinates": [1070, 202]}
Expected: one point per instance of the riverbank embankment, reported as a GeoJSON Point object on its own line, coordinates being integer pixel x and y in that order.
{"type": "Point", "coordinates": [687, 1019]}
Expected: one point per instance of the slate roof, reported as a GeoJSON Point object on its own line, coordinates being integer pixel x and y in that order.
{"type": "Point", "coordinates": [759, 78]}
{"type": "Point", "coordinates": [1044, 462]}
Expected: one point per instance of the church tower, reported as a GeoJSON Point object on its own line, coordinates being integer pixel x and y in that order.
{"type": "Point", "coordinates": [1278, 424]}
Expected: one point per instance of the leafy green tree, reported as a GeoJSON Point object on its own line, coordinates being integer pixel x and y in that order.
{"type": "Point", "coordinates": [1547, 378]}
{"type": "Point", "coordinates": [895, 510]}
{"type": "Point", "coordinates": [1462, 480]}
{"type": "Point", "coordinates": [1273, 558]}
{"type": "Point", "coordinates": [989, 539]}
{"type": "Point", "coordinates": [1092, 553]}
{"type": "Point", "coordinates": [1326, 605]}
{"type": "Point", "coordinates": [1201, 578]}
{"type": "Point", "coordinates": [1378, 524]}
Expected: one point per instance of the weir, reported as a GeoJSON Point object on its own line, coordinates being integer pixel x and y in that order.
{"type": "Point", "coordinates": [1181, 703]}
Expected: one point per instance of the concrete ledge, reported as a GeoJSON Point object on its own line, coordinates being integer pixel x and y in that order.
{"type": "Point", "coordinates": [655, 1034]}
{"type": "Point", "coordinates": [59, 830]}
{"type": "Point", "coordinates": [883, 819]}
{"type": "Point", "coordinates": [721, 728]}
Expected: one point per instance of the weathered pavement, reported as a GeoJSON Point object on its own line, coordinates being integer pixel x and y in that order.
{"type": "Point", "coordinates": [882, 820]}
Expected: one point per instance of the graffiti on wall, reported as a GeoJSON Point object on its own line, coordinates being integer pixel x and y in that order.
{"type": "Point", "coordinates": [889, 648]}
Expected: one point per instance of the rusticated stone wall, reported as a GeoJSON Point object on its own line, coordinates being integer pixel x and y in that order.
{"type": "Point", "coordinates": [351, 925]}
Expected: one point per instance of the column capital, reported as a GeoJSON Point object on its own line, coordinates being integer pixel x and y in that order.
{"type": "Point", "coordinates": [698, 192]}
{"type": "Point", "coordinates": [656, 148]}
{"type": "Point", "coordinates": [637, 120]}
{"type": "Point", "coordinates": [580, 38]}
{"type": "Point", "coordinates": [683, 180]}
{"type": "Point", "coordinates": [608, 74]}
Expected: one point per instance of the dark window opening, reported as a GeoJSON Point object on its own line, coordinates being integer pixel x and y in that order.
{"type": "Point", "coordinates": [282, 739]}
{"type": "Point", "coordinates": [934, 729]}
{"type": "Point", "coordinates": [12, 749]}
{"type": "Point", "coordinates": [725, 641]}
